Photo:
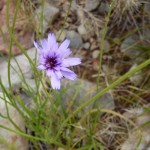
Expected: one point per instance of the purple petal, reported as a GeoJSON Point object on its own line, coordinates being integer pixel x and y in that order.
{"type": "Point", "coordinates": [64, 53]}
{"type": "Point", "coordinates": [38, 47]}
{"type": "Point", "coordinates": [55, 47]}
{"type": "Point", "coordinates": [58, 74]}
{"type": "Point", "coordinates": [42, 60]}
{"type": "Point", "coordinates": [65, 69]}
{"type": "Point", "coordinates": [63, 50]}
{"type": "Point", "coordinates": [51, 40]}
{"type": "Point", "coordinates": [41, 67]}
{"type": "Point", "coordinates": [57, 68]}
{"type": "Point", "coordinates": [44, 44]}
{"type": "Point", "coordinates": [67, 73]}
{"type": "Point", "coordinates": [50, 73]}
{"type": "Point", "coordinates": [71, 62]}
{"type": "Point", "coordinates": [53, 50]}
{"type": "Point", "coordinates": [55, 82]}
{"type": "Point", "coordinates": [64, 45]}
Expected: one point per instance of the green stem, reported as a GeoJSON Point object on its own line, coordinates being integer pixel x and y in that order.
{"type": "Point", "coordinates": [11, 31]}
{"type": "Point", "coordinates": [32, 137]}
{"type": "Point", "coordinates": [102, 42]}
{"type": "Point", "coordinates": [65, 19]}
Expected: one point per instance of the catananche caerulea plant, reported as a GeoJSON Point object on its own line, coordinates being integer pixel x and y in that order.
{"type": "Point", "coordinates": [53, 59]}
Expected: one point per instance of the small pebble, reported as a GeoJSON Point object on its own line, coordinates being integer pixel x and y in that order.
{"type": "Point", "coordinates": [95, 54]}
{"type": "Point", "coordinates": [62, 36]}
{"type": "Point", "coordinates": [87, 45]}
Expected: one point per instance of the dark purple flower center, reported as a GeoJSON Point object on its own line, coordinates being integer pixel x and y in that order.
{"type": "Point", "coordinates": [51, 62]}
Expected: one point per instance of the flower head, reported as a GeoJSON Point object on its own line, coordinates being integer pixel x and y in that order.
{"type": "Point", "coordinates": [52, 58]}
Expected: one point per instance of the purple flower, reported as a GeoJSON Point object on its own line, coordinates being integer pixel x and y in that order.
{"type": "Point", "coordinates": [52, 58]}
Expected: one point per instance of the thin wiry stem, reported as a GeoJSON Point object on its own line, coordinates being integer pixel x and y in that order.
{"type": "Point", "coordinates": [102, 42]}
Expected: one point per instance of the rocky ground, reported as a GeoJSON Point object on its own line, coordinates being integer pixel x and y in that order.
{"type": "Point", "coordinates": [126, 45]}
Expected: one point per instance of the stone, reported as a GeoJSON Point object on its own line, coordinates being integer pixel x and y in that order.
{"type": "Point", "coordinates": [128, 47]}
{"type": "Point", "coordinates": [75, 39]}
{"type": "Point", "coordinates": [14, 69]}
{"type": "Point", "coordinates": [92, 5]}
{"type": "Point", "coordinates": [10, 140]}
{"type": "Point", "coordinates": [23, 29]}
{"type": "Point", "coordinates": [142, 132]}
{"type": "Point", "coordinates": [50, 13]}
{"type": "Point", "coordinates": [127, 43]}
{"type": "Point", "coordinates": [95, 54]}
{"type": "Point", "coordinates": [86, 45]}
{"type": "Point", "coordinates": [31, 84]}
{"type": "Point", "coordinates": [137, 78]}
{"type": "Point", "coordinates": [104, 8]}
{"type": "Point", "coordinates": [82, 30]}
{"type": "Point", "coordinates": [77, 92]}
{"type": "Point", "coordinates": [86, 30]}
{"type": "Point", "coordinates": [61, 37]}
{"type": "Point", "coordinates": [27, 100]}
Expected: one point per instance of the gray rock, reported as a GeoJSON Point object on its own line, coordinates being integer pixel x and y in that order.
{"type": "Point", "coordinates": [31, 85]}
{"type": "Point", "coordinates": [95, 54]}
{"type": "Point", "coordinates": [128, 43]}
{"type": "Point", "coordinates": [15, 74]}
{"type": "Point", "coordinates": [137, 78]}
{"type": "Point", "coordinates": [86, 30]}
{"type": "Point", "coordinates": [49, 15]}
{"type": "Point", "coordinates": [75, 39]}
{"type": "Point", "coordinates": [10, 139]}
{"type": "Point", "coordinates": [92, 4]}
{"type": "Point", "coordinates": [61, 35]}
{"type": "Point", "coordinates": [86, 45]}
{"type": "Point", "coordinates": [80, 91]}
{"type": "Point", "coordinates": [128, 47]}
{"type": "Point", "coordinates": [82, 30]}
{"type": "Point", "coordinates": [104, 8]}
{"type": "Point", "coordinates": [27, 100]}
